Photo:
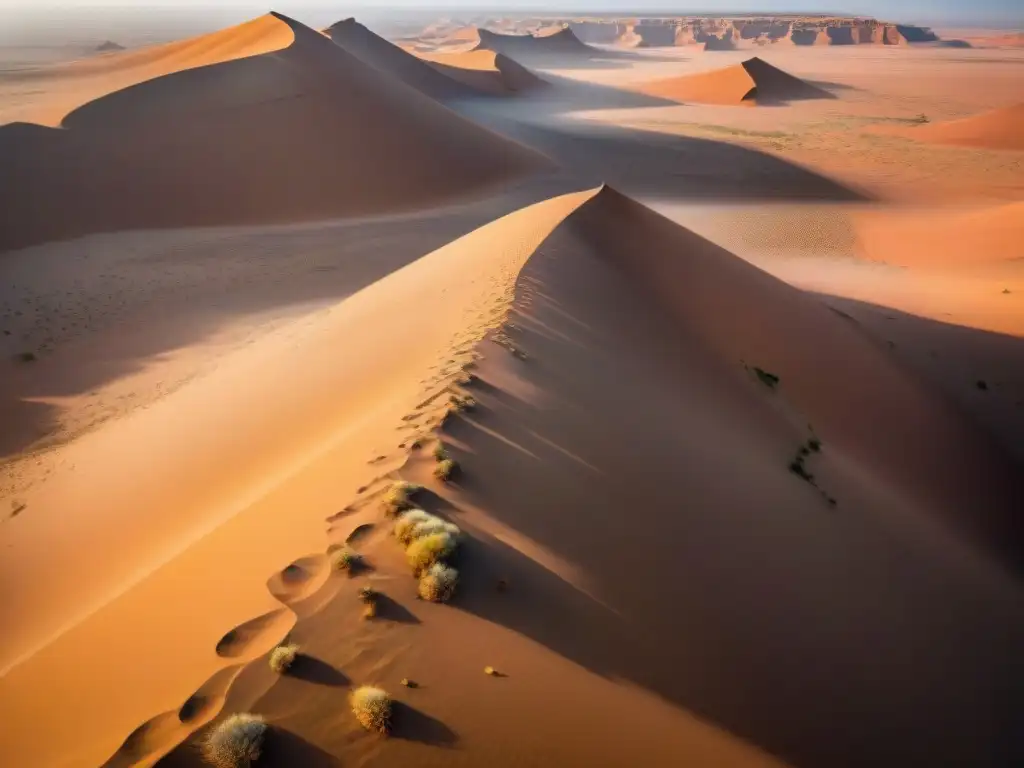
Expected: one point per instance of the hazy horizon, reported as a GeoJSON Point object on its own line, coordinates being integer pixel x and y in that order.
{"type": "Point", "coordinates": [1003, 13]}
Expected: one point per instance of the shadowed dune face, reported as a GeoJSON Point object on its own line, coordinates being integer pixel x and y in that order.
{"type": "Point", "coordinates": [560, 43]}
{"type": "Point", "coordinates": [392, 60]}
{"type": "Point", "coordinates": [791, 616]}
{"type": "Point", "coordinates": [485, 71]}
{"type": "Point", "coordinates": [755, 81]}
{"type": "Point", "coordinates": [301, 133]}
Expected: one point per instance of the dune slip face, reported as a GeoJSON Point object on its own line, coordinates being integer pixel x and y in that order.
{"type": "Point", "coordinates": [754, 81]}
{"type": "Point", "coordinates": [301, 133]}
{"type": "Point", "coordinates": [250, 462]}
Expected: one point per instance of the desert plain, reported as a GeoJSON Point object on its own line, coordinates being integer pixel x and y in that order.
{"type": "Point", "coordinates": [700, 350]}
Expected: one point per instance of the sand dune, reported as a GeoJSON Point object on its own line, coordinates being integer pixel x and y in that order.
{"type": "Point", "coordinates": [305, 132]}
{"type": "Point", "coordinates": [683, 475]}
{"type": "Point", "coordinates": [485, 71]}
{"type": "Point", "coordinates": [945, 239]}
{"type": "Point", "coordinates": [392, 60]}
{"type": "Point", "coordinates": [559, 43]}
{"type": "Point", "coordinates": [60, 89]}
{"type": "Point", "coordinates": [242, 469]}
{"type": "Point", "coordinates": [618, 388]}
{"type": "Point", "coordinates": [999, 129]}
{"type": "Point", "coordinates": [753, 81]}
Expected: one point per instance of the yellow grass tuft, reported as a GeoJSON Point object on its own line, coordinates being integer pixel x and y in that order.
{"type": "Point", "coordinates": [346, 560]}
{"type": "Point", "coordinates": [445, 470]}
{"type": "Point", "coordinates": [372, 708]}
{"type": "Point", "coordinates": [424, 552]}
{"type": "Point", "coordinates": [236, 742]}
{"type": "Point", "coordinates": [282, 657]}
{"type": "Point", "coordinates": [407, 522]}
{"type": "Point", "coordinates": [398, 497]}
{"type": "Point", "coordinates": [438, 583]}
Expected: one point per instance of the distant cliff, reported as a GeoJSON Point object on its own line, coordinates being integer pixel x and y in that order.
{"type": "Point", "coordinates": [746, 32]}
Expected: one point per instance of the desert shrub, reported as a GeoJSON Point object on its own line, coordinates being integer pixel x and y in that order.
{"type": "Point", "coordinates": [446, 470]}
{"type": "Point", "coordinates": [282, 657]}
{"type": "Point", "coordinates": [429, 550]}
{"type": "Point", "coordinates": [367, 595]}
{"type": "Point", "coordinates": [407, 521]}
{"type": "Point", "coordinates": [372, 708]}
{"type": "Point", "coordinates": [346, 560]}
{"type": "Point", "coordinates": [398, 497]}
{"type": "Point", "coordinates": [236, 742]}
{"type": "Point", "coordinates": [438, 583]}
{"type": "Point", "coordinates": [432, 526]}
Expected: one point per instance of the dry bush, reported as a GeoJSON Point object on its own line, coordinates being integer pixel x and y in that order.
{"type": "Point", "coordinates": [372, 708]}
{"type": "Point", "coordinates": [398, 497]}
{"type": "Point", "coordinates": [446, 470]}
{"type": "Point", "coordinates": [424, 552]}
{"type": "Point", "coordinates": [236, 742]}
{"type": "Point", "coordinates": [282, 657]}
{"type": "Point", "coordinates": [344, 559]}
{"type": "Point", "coordinates": [438, 583]}
{"type": "Point", "coordinates": [407, 521]}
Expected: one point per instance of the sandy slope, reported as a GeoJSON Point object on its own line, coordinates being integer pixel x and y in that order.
{"type": "Point", "coordinates": [558, 43]}
{"type": "Point", "coordinates": [758, 614]}
{"type": "Point", "coordinates": [754, 81]}
{"type": "Point", "coordinates": [389, 58]}
{"type": "Point", "coordinates": [998, 129]}
{"type": "Point", "coordinates": [485, 71]}
{"type": "Point", "coordinates": [58, 90]}
{"type": "Point", "coordinates": [301, 133]}
{"type": "Point", "coordinates": [242, 468]}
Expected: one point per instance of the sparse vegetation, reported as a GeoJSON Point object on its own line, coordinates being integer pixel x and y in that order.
{"type": "Point", "coordinates": [798, 468]}
{"type": "Point", "coordinates": [767, 378]}
{"type": "Point", "coordinates": [372, 708]}
{"type": "Point", "coordinates": [461, 403]}
{"type": "Point", "coordinates": [490, 671]}
{"type": "Point", "coordinates": [1006, 290]}
{"type": "Point", "coordinates": [982, 385]}
{"type": "Point", "coordinates": [236, 742]}
{"type": "Point", "coordinates": [367, 595]}
{"type": "Point", "coordinates": [398, 497]}
{"type": "Point", "coordinates": [440, 453]}
{"type": "Point", "coordinates": [920, 119]}
{"type": "Point", "coordinates": [370, 611]}
{"type": "Point", "coordinates": [438, 583]}
{"type": "Point", "coordinates": [344, 559]}
{"type": "Point", "coordinates": [282, 657]}
{"type": "Point", "coordinates": [814, 444]}
{"type": "Point", "coordinates": [407, 521]}
{"type": "Point", "coordinates": [409, 683]}
{"type": "Point", "coordinates": [427, 551]}
{"type": "Point", "coordinates": [26, 357]}
{"type": "Point", "coordinates": [446, 470]}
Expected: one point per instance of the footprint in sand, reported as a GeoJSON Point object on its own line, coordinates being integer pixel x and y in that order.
{"type": "Point", "coordinates": [256, 636]}
{"type": "Point", "coordinates": [300, 579]}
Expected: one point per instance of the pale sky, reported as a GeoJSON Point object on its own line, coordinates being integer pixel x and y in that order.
{"type": "Point", "coordinates": [1008, 13]}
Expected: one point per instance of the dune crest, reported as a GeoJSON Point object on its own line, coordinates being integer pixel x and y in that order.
{"type": "Point", "coordinates": [485, 71]}
{"type": "Point", "coordinates": [374, 50]}
{"type": "Point", "coordinates": [306, 132]}
{"type": "Point", "coordinates": [753, 81]}
{"type": "Point", "coordinates": [558, 42]}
